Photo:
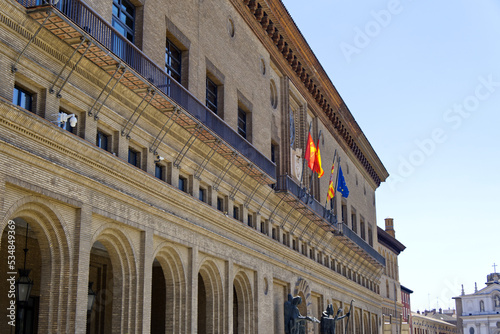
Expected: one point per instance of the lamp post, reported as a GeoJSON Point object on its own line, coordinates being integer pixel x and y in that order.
{"type": "Point", "coordinates": [23, 289]}
{"type": "Point", "coordinates": [90, 303]}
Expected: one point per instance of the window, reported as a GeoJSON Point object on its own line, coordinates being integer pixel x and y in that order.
{"type": "Point", "coordinates": [370, 236]}
{"type": "Point", "coordinates": [133, 157]}
{"type": "Point", "coordinates": [344, 214]}
{"type": "Point", "coordinates": [159, 172]}
{"type": "Point", "coordinates": [202, 196]}
{"type": "Point", "coordinates": [124, 18]}
{"type": "Point", "coordinates": [242, 123]}
{"type": "Point", "coordinates": [263, 227]}
{"type": "Point", "coordinates": [23, 98]}
{"type": "Point", "coordinates": [362, 228]}
{"type": "Point", "coordinates": [274, 152]}
{"type": "Point", "coordinates": [124, 22]}
{"type": "Point", "coordinates": [211, 96]}
{"type": "Point", "coordinates": [173, 61]}
{"type": "Point", "coordinates": [236, 212]}
{"type": "Point", "coordinates": [102, 140]}
{"type": "Point", "coordinates": [274, 233]}
{"type": "Point", "coordinates": [354, 223]}
{"type": "Point", "coordinates": [220, 203]}
{"type": "Point", "coordinates": [250, 220]}
{"type": "Point", "coordinates": [182, 183]}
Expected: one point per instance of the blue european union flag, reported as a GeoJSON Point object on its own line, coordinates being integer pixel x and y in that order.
{"type": "Point", "coordinates": [342, 186]}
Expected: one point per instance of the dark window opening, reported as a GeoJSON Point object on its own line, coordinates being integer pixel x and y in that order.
{"type": "Point", "coordinates": [211, 95]}
{"type": "Point", "coordinates": [173, 61]}
{"type": "Point", "coordinates": [133, 157]}
{"type": "Point", "coordinates": [182, 183]}
{"type": "Point", "coordinates": [220, 204]}
{"type": "Point", "coordinates": [102, 140]}
{"type": "Point", "coordinates": [159, 171]}
{"type": "Point", "coordinates": [242, 123]}
{"type": "Point", "coordinates": [202, 196]}
{"type": "Point", "coordinates": [23, 98]}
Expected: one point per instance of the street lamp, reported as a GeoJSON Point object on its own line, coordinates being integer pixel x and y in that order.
{"type": "Point", "coordinates": [23, 285]}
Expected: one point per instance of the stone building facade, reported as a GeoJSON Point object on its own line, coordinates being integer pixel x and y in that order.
{"type": "Point", "coordinates": [154, 149]}
{"type": "Point", "coordinates": [424, 324]}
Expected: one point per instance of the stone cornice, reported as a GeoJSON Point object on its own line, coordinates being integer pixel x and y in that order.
{"type": "Point", "coordinates": [275, 22]}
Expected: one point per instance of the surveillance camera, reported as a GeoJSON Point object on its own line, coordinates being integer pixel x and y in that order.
{"type": "Point", "coordinates": [72, 121]}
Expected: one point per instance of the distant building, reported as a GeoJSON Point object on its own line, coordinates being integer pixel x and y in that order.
{"type": "Point", "coordinates": [405, 299]}
{"type": "Point", "coordinates": [479, 312]}
{"type": "Point", "coordinates": [427, 323]}
{"type": "Point", "coordinates": [444, 315]}
{"type": "Point", "coordinates": [390, 288]}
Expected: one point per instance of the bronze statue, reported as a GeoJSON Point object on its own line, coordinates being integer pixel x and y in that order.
{"type": "Point", "coordinates": [294, 321]}
{"type": "Point", "coordinates": [328, 323]}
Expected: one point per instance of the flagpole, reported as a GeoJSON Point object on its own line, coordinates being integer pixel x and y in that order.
{"type": "Point", "coordinates": [304, 160]}
{"type": "Point", "coordinates": [337, 179]}
{"type": "Point", "coordinates": [333, 163]}
{"type": "Point", "coordinates": [312, 173]}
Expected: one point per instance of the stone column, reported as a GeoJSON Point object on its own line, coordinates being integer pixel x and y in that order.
{"type": "Point", "coordinates": [145, 275]}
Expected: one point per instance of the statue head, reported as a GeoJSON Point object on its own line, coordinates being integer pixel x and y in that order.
{"type": "Point", "coordinates": [296, 300]}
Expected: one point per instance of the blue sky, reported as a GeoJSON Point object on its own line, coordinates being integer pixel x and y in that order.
{"type": "Point", "coordinates": [422, 79]}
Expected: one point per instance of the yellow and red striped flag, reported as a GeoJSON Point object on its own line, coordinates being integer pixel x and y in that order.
{"type": "Point", "coordinates": [331, 186]}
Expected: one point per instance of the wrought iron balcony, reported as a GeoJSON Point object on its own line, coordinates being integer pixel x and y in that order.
{"type": "Point", "coordinates": [297, 197]}
{"type": "Point", "coordinates": [349, 235]}
{"type": "Point", "coordinates": [74, 21]}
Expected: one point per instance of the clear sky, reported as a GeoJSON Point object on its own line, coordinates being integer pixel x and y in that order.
{"type": "Point", "coordinates": [422, 79]}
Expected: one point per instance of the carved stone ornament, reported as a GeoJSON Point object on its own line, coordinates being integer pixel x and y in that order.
{"type": "Point", "coordinates": [296, 161]}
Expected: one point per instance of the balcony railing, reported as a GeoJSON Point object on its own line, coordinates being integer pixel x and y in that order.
{"type": "Point", "coordinates": [361, 243]}
{"type": "Point", "coordinates": [101, 31]}
{"type": "Point", "coordinates": [286, 184]}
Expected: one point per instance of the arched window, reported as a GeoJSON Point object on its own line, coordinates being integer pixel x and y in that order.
{"type": "Point", "coordinates": [481, 306]}
{"type": "Point", "coordinates": [471, 330]}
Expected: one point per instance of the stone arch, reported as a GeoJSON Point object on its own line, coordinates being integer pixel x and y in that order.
{"type": "Point", "coordinates": [366, 323]}
{"type": "Point", "coordinates": [52, 237]}
{"type": "Point", "coordinates": [122, 256]}
{"type": "Point", "coordinates": [302, 289]}
{"type": "Point", "coordinates": [374, 329]}
{"type": "Point", "coordinates": [176, 288]}
{"type": "Point", "coordinates": [357, 322]}
{"type": "Point", "coordinates": [214, 297]}
{"type": "Point", "coordinates": [244, 295]}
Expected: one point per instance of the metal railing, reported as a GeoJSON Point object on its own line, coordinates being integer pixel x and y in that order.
{"type": "Point", "coordinates": [285, 183]}
{"type": "Point", "coordinates": [100, 30]}
{"type": "Point", "coordinates": [345, 230]}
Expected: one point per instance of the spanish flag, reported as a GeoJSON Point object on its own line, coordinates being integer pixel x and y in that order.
{"type": "Point", "coordinates": [317, 163]}
{"type": "Point", "coordinates": [311, 154]}
{"type": "Point", "coordinates": [331, 190]}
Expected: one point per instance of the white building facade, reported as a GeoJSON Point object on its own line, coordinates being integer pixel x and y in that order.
{"type": "Point", "coordinates": [479, 312]}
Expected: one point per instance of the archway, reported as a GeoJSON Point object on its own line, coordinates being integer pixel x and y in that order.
{"type": "Point", "coordinates": [243, 305]}
{"type": "Point", "coordinates": [210, 299]}
{"type": "Point", "coordinates": [47, 257]}
{"type": "Point", "coordinates": [12, 249]}
{"type": "Point", "coordinates": [99, 319]}
{"type": "Point", "coordinates": [158, 299]}
{"type": "Point", "coordinates": [169, 293]}
{"type": "Point", "coordinates": [113, 267]}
